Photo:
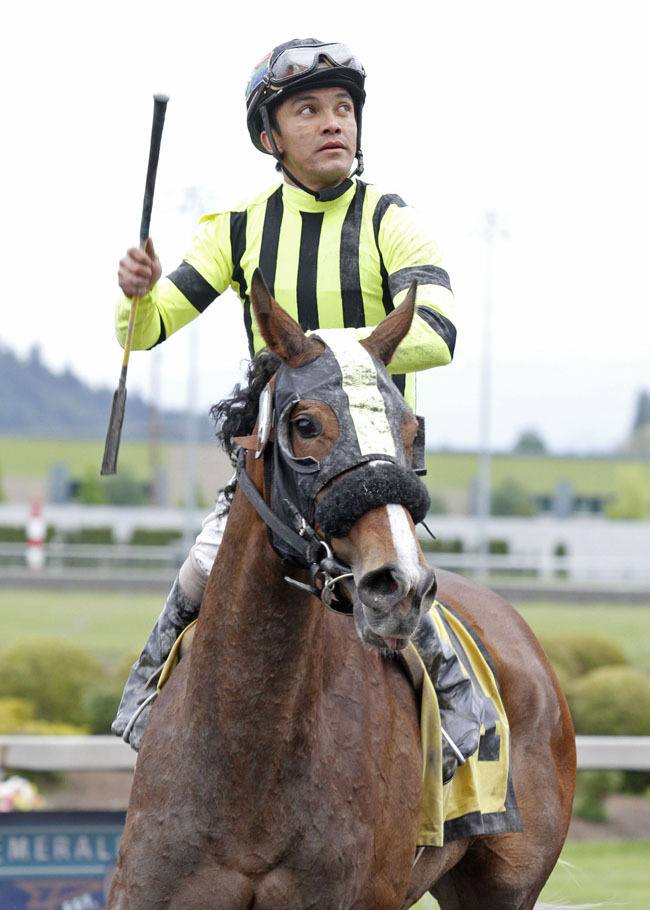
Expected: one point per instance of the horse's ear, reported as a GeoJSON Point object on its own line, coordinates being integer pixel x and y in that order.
{"type": "Point", "coordinates": [391, 331]}
{"type": "Point", "coordinates": [281, 332]}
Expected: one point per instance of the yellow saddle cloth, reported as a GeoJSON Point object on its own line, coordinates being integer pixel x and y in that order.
{"type": "Point", "coordinates": [480, 798]}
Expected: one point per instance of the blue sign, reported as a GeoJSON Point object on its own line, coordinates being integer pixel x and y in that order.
{"type": "Point", "coordinates": [57, 860]}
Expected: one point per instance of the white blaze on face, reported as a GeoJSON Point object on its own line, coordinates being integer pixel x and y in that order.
{"type": "Point", "coordinates": [367, 406]}
{"type": "Point", "coordinates": [404, 542]}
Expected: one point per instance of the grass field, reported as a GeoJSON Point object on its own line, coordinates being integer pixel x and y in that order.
{"type": "Point", "coordinates": [35, 457]}
{"type": "Point", "coordinates": [446, 470]}
{"type": "Point", "coordinates": [112, 624]}
{"type": "Point", "coordinates": [610, 875]}
{"type": "Point", "coordinates": [539, 475]}
{"type": "Point", "coordinates": [116, 623]}
{"type": "Point", "coordinates": [627, 626]}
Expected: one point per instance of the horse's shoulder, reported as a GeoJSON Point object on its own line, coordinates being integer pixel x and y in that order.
{"type": "Point", "coordinates": [474, 601]}
{"type": "Point", "coordinates": [522, 669]}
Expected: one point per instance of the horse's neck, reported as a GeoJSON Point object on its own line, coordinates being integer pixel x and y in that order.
{"type": "Point", "coordinates": [255, 671]}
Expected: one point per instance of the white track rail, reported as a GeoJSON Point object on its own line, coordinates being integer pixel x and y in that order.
{"type": "Point", "coordinates": [106, 753]}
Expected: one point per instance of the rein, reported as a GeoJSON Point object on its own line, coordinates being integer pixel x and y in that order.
{"type": "Point", "coordinates": [325, 570]}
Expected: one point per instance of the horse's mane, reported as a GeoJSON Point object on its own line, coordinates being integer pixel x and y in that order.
{"type": "Point", "coordinates": [236, 415]}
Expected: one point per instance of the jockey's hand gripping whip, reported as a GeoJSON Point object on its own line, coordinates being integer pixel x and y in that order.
{"type": "Point", "coordinates": [111, 448]}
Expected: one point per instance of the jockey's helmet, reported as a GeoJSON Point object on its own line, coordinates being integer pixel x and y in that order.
{"type": "Point", "coordinates": [292, 66]}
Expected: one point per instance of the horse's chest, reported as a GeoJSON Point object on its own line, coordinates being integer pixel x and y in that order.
{"type": "Point", "coordinates": [326, 835]}
{"type": "Point", "coordinates": [330, 875]}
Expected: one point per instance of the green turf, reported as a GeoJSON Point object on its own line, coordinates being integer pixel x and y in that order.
{"type": "Point", "coordinates": [538, 474]}
{"type": "Point", "coordinates": [447, 470]}
{"type": "Point", "coordinates": [614, 874]}
{"type": "Point", "coordinates": [626, 626]}
{"type": "Point", "coordinates": [115, 623]}
{"type": "Point", "coordinates": [112, 624]}
{"type": "Point", "coordinates": [35, 457]}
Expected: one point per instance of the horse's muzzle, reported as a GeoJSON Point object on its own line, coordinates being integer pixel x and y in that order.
{"type": "Point", "coordinates": [392, 604]}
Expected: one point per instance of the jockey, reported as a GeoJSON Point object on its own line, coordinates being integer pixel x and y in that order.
{"type": "Point", "coordinates": [336, 253]}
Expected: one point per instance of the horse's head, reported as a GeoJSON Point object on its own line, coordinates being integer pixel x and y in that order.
{"type": "Point", "coordinates": [343, 452]}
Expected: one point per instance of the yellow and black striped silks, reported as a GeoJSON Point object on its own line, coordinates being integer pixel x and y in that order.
{"type": "Point", "coordinates": [339, 264]}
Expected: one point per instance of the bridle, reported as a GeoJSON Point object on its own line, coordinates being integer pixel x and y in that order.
{"type": "Point", "coordinates": [292, 484]}
{"type": "Point", "coordinates": [312, 551]}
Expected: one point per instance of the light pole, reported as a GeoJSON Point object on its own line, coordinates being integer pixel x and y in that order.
{"type": "Point", "coordinates": [156, 496]}
{"type": "Point", "coordinates": [483, 489]}
{"type": "Point", "coordinates": [194, 206]}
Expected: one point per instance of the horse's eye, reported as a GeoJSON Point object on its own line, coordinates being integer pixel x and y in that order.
{"type": "Point", "coordinates": [307, 427]}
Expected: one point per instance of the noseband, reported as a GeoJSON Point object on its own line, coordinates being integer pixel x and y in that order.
{"type": "Point", "coordinates": [367, 467]}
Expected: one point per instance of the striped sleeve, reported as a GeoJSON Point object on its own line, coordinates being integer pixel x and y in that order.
{"type": "Point", "coordinates": [410, 255]}
{"type": "Point", "coordinates": [181, 296]}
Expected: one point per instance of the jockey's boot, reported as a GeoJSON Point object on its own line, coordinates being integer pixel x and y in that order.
{"type": "Point", "coordinates": [140, 689]}
{"type": "Point", "coordinates": [461, 708]}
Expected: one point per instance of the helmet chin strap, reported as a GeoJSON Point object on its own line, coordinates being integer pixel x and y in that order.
{"type": "Point", "coordinates": [327, 194]}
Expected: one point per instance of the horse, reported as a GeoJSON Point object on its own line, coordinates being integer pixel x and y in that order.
{"type": "Point", "coordinates": [281, 768]}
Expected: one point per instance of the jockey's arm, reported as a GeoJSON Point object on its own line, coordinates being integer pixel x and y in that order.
{"type": "Point", "coordinates": [181, 296]}
{"type": "Point", "coordinates": [409, 254]}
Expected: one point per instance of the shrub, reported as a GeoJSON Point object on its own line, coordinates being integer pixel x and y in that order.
{"type": "Point", "coordinates": [12, 534]}
{"type": "Point", "coordinates": [611, 701]}
{"type": "Point", "coordinates": [124, 490]}
{"type": "Point", "coordinates": [511, 498]}
{"type": "Point", "coordinates": [101, 706]}
{"type": "Point", "coordinates": [440, 545]}
{"type": "Point", "coordinates": [124, 668]}
{"type": "Point", "coordinates": [498, 547]}
{"type": "Point", "coordinates": [530, 442]}
{"type": "Point", "coordinates": [637, 782]}
{"type": "Point", "coordinates": [14, 714]}
{"type": "Point", "coordinates": [17, 715]}
{"type": "Point", "coordinates": [91, 490]}
{"type": "Point", "coordinates": [592, 787]}
{"type": "Point", "coordinates": [16, 533]}
{"type": "Point", "coordinates": [155, 537]}
{"type": "Point", "coordinates": [99, 535]}
{"type": "Point", "coordinates": [121, 489]}
{"type": "Point", "coordinates": [561, 549]}
{"type": "Point", "coordinates": [632, 500]}
{"type": "Point", "coordinates": [574, 655]}
{"type": "Point", "coordinates": [53, 675]}
{"type": "Point", "coordinates": [52, 728]}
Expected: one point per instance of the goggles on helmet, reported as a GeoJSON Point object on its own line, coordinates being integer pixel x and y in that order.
{"type": "Point", "coordinates": [295, 62]}
{"type": "Point", "coordinates": [299, 61]}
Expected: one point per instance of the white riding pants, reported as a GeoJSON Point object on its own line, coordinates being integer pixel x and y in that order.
{"type": "Point", "coordinates": [194, 573]}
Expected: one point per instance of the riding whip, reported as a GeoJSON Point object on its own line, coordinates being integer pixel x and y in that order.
{"type": "Point", "coordinates": [114, 433]}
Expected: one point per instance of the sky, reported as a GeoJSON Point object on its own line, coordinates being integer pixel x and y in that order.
{"type": "Point", "coordinates": [536, 111]}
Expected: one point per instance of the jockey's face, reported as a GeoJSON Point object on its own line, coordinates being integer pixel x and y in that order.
{"type": "Point", "coordinates": [317, 136]}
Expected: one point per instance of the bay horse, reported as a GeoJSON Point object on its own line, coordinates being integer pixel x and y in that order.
{"type": "Point", "coordinates": [281, 767]}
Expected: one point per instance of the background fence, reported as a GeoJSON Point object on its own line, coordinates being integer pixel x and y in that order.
{"type": "Point", "coordinates": [107, 753]}
{"type": "Point", "coordinates": [142, 563]}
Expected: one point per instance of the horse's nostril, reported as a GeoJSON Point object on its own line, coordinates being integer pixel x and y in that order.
{"type": "Point", "coordinates": [379, 585]}
{"type": "Point", "coordinates": [381, 582]}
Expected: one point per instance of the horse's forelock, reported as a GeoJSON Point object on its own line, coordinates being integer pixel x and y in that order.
{"type": "Point", "coordinates": [236, 415]}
